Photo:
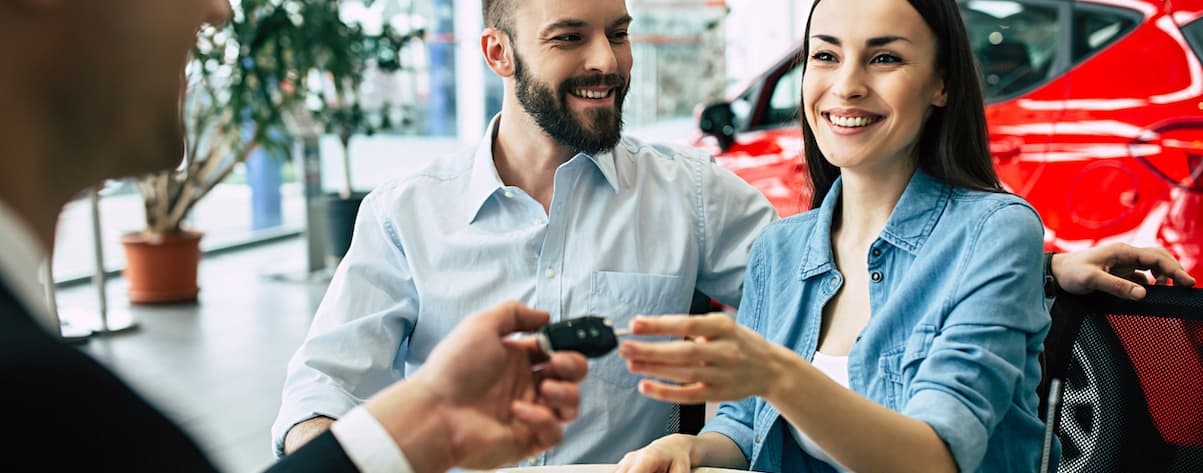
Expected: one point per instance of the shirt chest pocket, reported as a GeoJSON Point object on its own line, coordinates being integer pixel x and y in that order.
{"type": "Point", "coordinates": [619, 296]}
{"type": "Point", "coordinates": [899, 364]}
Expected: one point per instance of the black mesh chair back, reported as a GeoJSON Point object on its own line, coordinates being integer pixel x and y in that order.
{"type": "Point", "coordinates": [1124, 383]}
{"type": "Point", "coordinates": [692, 417]}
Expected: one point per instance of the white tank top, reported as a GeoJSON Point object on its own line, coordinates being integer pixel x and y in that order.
{"type": "Point", "coordinates": [836, 368]}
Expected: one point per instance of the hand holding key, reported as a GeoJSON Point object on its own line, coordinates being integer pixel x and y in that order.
{"type": "Point", "coordinates": [588, 335]}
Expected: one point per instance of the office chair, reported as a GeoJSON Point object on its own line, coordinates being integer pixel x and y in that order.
{"type": "Point", "coordinates": [1123, 383]}
{"type": "Point", "coordinates": [692, 417]}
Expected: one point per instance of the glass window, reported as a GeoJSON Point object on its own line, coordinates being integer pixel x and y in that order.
{"type": "Point", "coordinates": [786, 98]}
{"type": "Point", "coordinates": [1194, 35]}
{"type": "Point", "coordinates": [1015, 44]}
{"type": "Point", "coordinates": [1095, 28]}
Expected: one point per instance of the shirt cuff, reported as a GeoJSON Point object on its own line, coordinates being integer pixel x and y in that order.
{"type": "Point", "coordinates": [368, 445]}
{"type": "Point", "coordinates": [954, 423]}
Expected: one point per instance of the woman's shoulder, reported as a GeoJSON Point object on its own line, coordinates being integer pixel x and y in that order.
{"type": "Point", "coordinates": [791, 228]}
{"type": "Point", "coordinates": [989, 206]}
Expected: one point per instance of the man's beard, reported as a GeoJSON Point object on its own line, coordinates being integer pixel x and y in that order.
{"type": "Point", "coordinates": [551, 111]}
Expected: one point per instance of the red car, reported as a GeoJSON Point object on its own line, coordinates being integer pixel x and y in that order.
{"type": "Point", "coordinates": [1095, 113]}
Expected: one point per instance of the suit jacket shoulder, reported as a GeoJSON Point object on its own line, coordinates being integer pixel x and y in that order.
{"type": "Point", "coordinates": [66, 412]}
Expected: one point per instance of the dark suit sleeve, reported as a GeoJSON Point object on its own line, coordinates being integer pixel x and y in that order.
{"type": "Point", "coordinates": [63, 411]}
{"type": "Point", "coordinates": [322, 454]}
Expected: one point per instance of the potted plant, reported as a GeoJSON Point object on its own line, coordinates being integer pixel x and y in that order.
{"type": "Point", "coordinates": [351, 110]}
{"type": "Point", "coordinates": [249, 78]}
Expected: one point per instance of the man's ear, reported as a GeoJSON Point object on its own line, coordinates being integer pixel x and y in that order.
{"type": "Point", "coordinates": [498, 51]}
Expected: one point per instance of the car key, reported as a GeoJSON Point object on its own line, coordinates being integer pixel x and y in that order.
{"type": "Point", "coordinates": [588, 335]}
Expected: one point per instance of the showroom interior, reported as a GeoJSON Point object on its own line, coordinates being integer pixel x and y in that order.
{"type": "Point", "coordinates": [1095, 110]}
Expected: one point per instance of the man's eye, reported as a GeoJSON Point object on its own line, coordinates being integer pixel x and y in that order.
{"type": "Point", "coordinates": [568, 37]}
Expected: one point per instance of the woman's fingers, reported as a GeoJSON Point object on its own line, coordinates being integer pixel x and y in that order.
{"type": "Point", "coordinates": [694, 393]}
{"type": "Point", "coordinates": [712, 325]}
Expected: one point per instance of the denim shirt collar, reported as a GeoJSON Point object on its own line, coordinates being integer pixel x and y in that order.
{"type": "Point", "coordinates": [484, 180]}
{"type": "Point", "coordinates": [908, 227]}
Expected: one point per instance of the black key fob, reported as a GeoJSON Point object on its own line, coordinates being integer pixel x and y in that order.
{"type": "Point", "coordinates": [589, 335]}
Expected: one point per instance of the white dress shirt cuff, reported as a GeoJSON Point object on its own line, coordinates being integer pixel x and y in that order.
{"type": "Point", "coordinates": [368, 445]}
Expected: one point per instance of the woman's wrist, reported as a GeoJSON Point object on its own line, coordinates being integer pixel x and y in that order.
{"type": "Point", "coordinates": [786, 367]}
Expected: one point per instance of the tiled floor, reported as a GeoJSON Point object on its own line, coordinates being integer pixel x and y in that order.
{"type": "Point", "coordinates": [216, 366]}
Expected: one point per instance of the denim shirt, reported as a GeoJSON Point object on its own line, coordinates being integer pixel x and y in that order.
{"type": "Point", "coordinates": [632, 231]}
{"type": "Point", "coordinates": [956, 326]}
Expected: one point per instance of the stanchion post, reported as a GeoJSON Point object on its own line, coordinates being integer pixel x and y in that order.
{"type": "Point", "coordinates": [109, 322]}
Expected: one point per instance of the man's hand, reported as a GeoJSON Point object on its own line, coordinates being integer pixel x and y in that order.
{"type": "Point", "coordinates": [1118, 269]}
{"type": "Point", "coordinates": [482, 399]}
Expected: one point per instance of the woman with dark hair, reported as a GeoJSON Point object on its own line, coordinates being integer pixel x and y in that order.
{"type": "Point", "coordinates": [896, 326]}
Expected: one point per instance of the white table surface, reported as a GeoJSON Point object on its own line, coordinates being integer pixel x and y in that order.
{"type": "Point", "coordinates": [586, 469]}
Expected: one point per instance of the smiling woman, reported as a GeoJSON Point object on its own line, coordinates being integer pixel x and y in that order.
{"type": "Point", "coordinates": [839, 358]}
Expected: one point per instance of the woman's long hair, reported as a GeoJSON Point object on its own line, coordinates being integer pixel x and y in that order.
{"type": "Point", "coordinates": [952, 146]}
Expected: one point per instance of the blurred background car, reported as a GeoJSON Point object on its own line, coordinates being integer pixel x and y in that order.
{"type": "Point", "coordinates": [1095, 115]}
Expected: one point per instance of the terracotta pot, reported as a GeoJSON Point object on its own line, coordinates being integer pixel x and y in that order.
{"type": "Point", "coordinates": [162, 270]}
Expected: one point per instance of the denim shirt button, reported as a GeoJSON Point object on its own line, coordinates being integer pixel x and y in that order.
{"type": "Point", "coordinates": [834, 280]}
{"type": "Point", "coordinates": [876, 276]}
{"type": "Point", "coordinates": [877, 252]}
{"type": "Point", "coordinates": [756, 438]}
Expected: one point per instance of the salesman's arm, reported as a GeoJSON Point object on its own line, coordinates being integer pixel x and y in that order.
{"type": "Point", "coordinates": [482, 400]}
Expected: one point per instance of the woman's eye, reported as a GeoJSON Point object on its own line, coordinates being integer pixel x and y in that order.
{"type": "Point", "coordinates": [886, 59]}
{"type": "Point", "coordinates": [823, 56]}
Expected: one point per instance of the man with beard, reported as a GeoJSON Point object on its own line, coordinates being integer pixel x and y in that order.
{"type": "Point", "coordinates": [554, 208]}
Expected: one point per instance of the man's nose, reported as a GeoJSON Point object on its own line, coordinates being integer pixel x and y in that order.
{"type": "Point", "coordinates": [600, 57]}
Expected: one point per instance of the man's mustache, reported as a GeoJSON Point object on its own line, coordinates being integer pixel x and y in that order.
{"type": "Point", "coordinates": [612, 80]}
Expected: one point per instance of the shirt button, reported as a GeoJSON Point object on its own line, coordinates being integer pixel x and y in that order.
{"type": "Point", "coordinates": [834, 280]}
{"type": "Point", "coordinates": [877, 252]}
{"type": "Point", "coordinates": [876, 276]}
{"type": "Point", "coordinates": [550, 273]}
{"type": "Point", "coordinates": [509, 194]}
{"type": "Point", "coordinates": [757, 438]}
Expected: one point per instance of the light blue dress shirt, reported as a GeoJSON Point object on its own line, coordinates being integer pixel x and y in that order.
{"type": "Point", "coordinates": [956, 326]}
{"type": "Point", "coordinates": [632, 231]}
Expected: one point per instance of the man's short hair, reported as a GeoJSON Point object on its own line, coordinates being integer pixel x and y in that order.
{"type": "Point", "coordinates": [500, 14]}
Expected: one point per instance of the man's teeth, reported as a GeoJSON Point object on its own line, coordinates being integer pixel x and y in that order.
{"type": "Point", "coordinates": [851, 122]}
{"type": "Point", "coordinates": [590, 94]}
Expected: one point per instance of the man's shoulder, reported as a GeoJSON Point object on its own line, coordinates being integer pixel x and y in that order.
{"type": "Point", "coordinates": [432, 176]}
{"type": "Point", "coordinates": [634, 149]}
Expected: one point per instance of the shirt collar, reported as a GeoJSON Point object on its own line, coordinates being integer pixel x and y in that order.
{"type": "Point", "coordinates": [909, 225]}
{"type": "Point", "coordinates": [23, 265]}
{"type": "Point", "coordinates": [605, 164]}
{"type": "Point", "coordinates": [484, 180]}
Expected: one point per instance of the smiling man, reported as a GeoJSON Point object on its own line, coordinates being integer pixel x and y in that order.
{"type": "Point", "coordinates": [554, 208]}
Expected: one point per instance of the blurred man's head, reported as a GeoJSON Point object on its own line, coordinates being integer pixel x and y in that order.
{"type": "Point", "coordinates": [102, 80]}
{"type": "Point", "coordinates": [567, 63]}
